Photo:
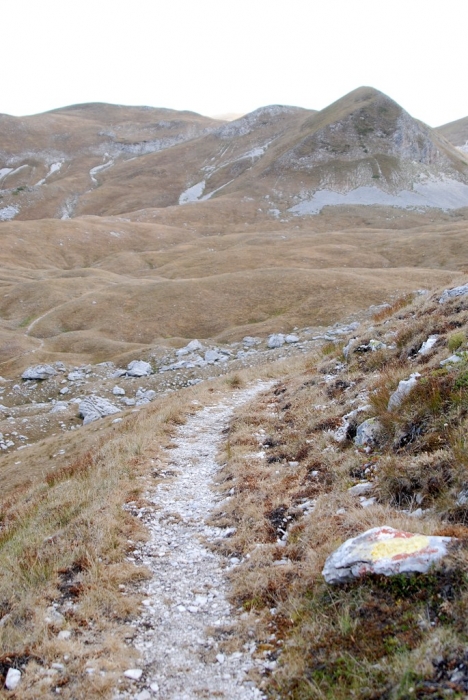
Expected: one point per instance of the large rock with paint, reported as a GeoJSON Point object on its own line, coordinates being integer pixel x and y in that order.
{"type": "Point", "coordinates": [384, 550]}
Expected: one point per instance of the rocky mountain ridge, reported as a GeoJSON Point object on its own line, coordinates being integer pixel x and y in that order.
{"type": "Point", "coordinates": [364, 148]}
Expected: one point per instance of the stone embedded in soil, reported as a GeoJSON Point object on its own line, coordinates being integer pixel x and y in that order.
{"type": "Point", "coordinates": [404, 388]}
{"type": "Point", "coordinates": [139, 368]}
{"type": "Point", "coordinates": [13, 678]}
{"type": "Point", "coordinates": [275, 341]}
{"type": "Point", "coordinates": [38, 372]}
{"type": "Point", "coordinates": [428, 344]}
{"type": "Point", "coordinates": [367, 433]}
{"type": "Point", "coordinates": [94, 407]}
{"type": "Point", "coordinates": [453, 293]}
{"type": "Point", "coordinates": [133, 673]}
{"type": "Point", "coordinates": [360, 489]}
{"type": "Point", "coordinates": [384, 550]}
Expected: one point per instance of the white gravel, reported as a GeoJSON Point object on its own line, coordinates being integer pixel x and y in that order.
{"type": "Point", "coordinates": [188, 591]}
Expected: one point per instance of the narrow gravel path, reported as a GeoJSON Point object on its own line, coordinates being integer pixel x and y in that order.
{"type": "Point", "coordinates": [187, 593]}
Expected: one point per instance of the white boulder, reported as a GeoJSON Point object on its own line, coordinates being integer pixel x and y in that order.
{"type": "Point", "coordinates": [193, 346]}
{"type": "Point", "coordinates": [133, 673]}
{"type": "Point", "coordinates": [384, 550]}
{"type": "Point", "coordinates": [128, 402]}
{"type": "Point", "coordinates": [76, 375]}
{"type": "Point", "coordinates": [12, 679]}
{"type": "Point", "coordinates": [212, 356]}
{"type": "Point", "coordinates": [94, 407]}
{"type": "Point", "coordinates": [139, 368]}
{"type": "Point", "coordinates": [452, 360]}
{"type": "Point", "coordinates": [403, 389]}
{"type": "Point", "coordinates": [275, 341]}
{"type": "Point", "coordinates": [292, 338]}
{"type": "Point", "coordinates": [367, 433]}
{"type": "Point", "coordinates": [428, 344]}
{"type": "Point", "coordinates": [39, 372]}
{"type": "Point", "coordinates": [118, 391]}
{"type": "Point", "coordinates": [144, 396]}
{"type": "Point", "coordinates": [249, 341]}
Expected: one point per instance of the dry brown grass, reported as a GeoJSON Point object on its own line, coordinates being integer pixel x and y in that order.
{"type": "Point", "coordinates": [64, 542]}
{"type": "Point", "coordinates": [377, 637]}
{"type": "Point", "coordinates": [71, 284]}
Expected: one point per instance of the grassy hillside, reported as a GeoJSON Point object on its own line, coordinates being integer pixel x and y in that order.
{"type": "Point", "coordinates": [65, 536]}
{"type": "Point", "coordinates": [377, 637]}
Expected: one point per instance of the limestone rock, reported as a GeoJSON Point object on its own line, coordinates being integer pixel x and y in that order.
{"type": "Point", "coordinates": [275, 341]}
{"type": "Point", "coordinates": [128, 402]}
{"type": "Point", "coordinates": [454, 292]}
{"type": "Point", "coordinates": [452, 360]}
{"type": "Point", "coordinates": [139, 368]}
{"type": "Point", "coordinates": [193, 346]}
{"type": "Point", "coordinates": [367, 433]}
{"type": "Point", "coordinates": [361, 489]}
{"type": "Point", "coordinates": [133, 673]}
{"type": "Point", "coordinates": [341, 433]}
{"type": "Point", "coordinates": [75, 376]}
{"type": "Point", "coordinates": [376, 345]}
{"type": "Point", "coordinates": [144, 396]}
{"type": "Point", "coordinates": [118, 391]}
{"type": "Point", "coordinates": [427, 346]}
{"type": "Point", "coordinates": [212, 356]}
{"type": "Point", "coordinates": [94, 407]}
{"type": "Point", "coordinates": [59, 406]}
{"type": "Point", "coordinates": [249, 341]}
{"type": "Point", "coordinates": [13, 678]}
{"type": "Point", "coordinates": [292, 338]}
{"type": "Point", "coordinates": [39, 372]}
{"type": "Point", "coordinates": [118, 373]}
{"type": "Point", "coordinates": [384, 550]}
{"type": "Point", "coordinates": [404, 388]}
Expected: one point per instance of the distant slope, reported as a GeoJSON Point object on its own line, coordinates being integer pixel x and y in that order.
{"type": "Point", "coordinates": [48, 161]}
{"type": "Point", "coordinates": [363, 149]}
{"type": "Point", "coordinates": [456, 132]}
{"type": "Point", "coordinates": [106, 160]}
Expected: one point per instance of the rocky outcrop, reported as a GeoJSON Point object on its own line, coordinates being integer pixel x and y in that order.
{"type": "Point", "coordinates": [384, 550]}
{"type": "Point", "coordinates": [139, 368]}
{"type": "Point", "coordinates": [453, 293]}
{"type": "Point", "coordinates": [94, 407]}
{"type": "Point", "coordinates": [275, 341]}
{"type": "Point", "coordinates": [38, 372]}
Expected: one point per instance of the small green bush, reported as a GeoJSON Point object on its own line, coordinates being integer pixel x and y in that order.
{"type": "Point", "coordinates": [456, 340]}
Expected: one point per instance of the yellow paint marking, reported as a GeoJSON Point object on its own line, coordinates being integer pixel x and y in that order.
{"type": "Point", "coordinates": [398, 545]}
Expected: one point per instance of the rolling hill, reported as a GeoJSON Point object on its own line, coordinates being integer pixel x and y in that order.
{"type": "Point", "coordinates": [126, 228]}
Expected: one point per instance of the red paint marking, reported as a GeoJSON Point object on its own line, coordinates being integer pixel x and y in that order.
{"type": "Point", "coordinates": [395, 534]}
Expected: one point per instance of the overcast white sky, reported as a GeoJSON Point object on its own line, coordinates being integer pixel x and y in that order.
{"type": "Point", "coordinates": [217, 56]}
